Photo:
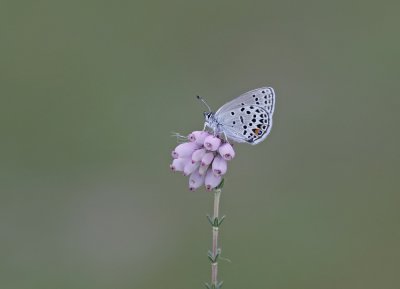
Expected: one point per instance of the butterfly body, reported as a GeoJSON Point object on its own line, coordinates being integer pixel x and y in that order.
{"type": "Point", "coordinates": [247, 118]}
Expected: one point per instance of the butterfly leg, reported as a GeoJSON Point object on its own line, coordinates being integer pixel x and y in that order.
{"type": "Point", "coordinates": [226, 138]}
{"type": "Point", "coordinates": [207, 126]}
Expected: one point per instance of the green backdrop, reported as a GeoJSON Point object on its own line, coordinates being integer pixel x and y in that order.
{"type": "Point", "coordinates": [90, 92]}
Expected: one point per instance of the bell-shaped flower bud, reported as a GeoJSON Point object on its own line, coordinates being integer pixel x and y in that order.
{"type": "Point", "coordinates": [198, 155]}
{"type": "Point", "coordinates": [226, 151]}
{"type": "Point", "coordinates": [190, 167]}
{"type": "Point", "coordinates": [211, 180]}
{"type": "Point", "coordinates": [207, 159]}
{"type": "Point", "coordinates": [212, 143]}
{"type": "Point", "coordinates": [196, 180]}
{"type": "Point", "coordinates": [184, 150]}
{"type": "Point", "coordinates": [178, 165]}
{"type": "Point", "coordinates": [219, 166]}
{"type": "Point", "coordinates": [198, 137]}
{"type": "Point", "coordinates": [203, 169]}
{"type": "Point", "coordinates": [203, 158]}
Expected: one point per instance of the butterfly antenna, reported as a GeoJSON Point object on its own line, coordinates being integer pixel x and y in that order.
{"type": "Point", "coordinates": [203, 101]}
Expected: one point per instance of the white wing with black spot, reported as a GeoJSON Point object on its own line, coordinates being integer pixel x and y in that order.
{"type": "Point", "coordinates": [263, 97]}
{"type": "Point", "coordinates": [245, 123]}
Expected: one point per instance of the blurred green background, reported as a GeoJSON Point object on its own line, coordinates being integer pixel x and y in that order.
{"type": "Point", "coordinates": [91, 91]}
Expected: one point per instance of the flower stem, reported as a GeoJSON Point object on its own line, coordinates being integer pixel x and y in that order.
{"type": "Point", "coordinates": [215, 251]}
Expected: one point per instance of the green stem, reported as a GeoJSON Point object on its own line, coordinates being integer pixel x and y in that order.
{"type": "Point", "coordinates": [214, 265]}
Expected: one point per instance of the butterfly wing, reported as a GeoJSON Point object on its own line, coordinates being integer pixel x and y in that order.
{"type": "Point", "coordinates": [245, 123]}
{"type": "Point", "coordinates": [263, 97]}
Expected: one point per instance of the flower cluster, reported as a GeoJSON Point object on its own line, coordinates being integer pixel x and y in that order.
{"type": "Point", "coordinates": [203, 158]}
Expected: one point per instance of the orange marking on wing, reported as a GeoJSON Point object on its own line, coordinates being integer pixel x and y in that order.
{"type": "Point", "coordinates": [256, 131]}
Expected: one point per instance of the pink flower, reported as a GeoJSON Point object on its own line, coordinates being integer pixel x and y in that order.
{"type": "Point", "coordinates": [226, 151]}
{"type": "Point", "coordinates": [204, 158]}
{"type": "Point", "coordinates": [198, 137]}
{"type": "Point", "coordinates": [190, 167]}
{"type": "Point", "coordinates": [184, 150]}
{"type": "Point", "coordinates": [177, 165]}
{"type": "Point", "coordinates": [219, 166]}
{"type": "Point", "coordinates": [198, 155]}
{"type": "Point", "coordinates": [207, 159]}
{"type": "Point", "coordinates": [212, 143]}
{"type": "Point", "coordinates": [196, 180]}
{"type": "Point", "coordinates": [203, 169]}
{"type": "Point", "coordinates": [211, 180]}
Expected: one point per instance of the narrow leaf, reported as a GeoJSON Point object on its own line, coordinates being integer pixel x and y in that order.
{"type": "Point", "coordinates": [210, 220]}
{"type": "Point", "coordinates": [221, 220]}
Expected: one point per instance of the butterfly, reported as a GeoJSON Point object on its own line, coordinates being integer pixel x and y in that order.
{"type": "Point", "coordinates": [245, 119]}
